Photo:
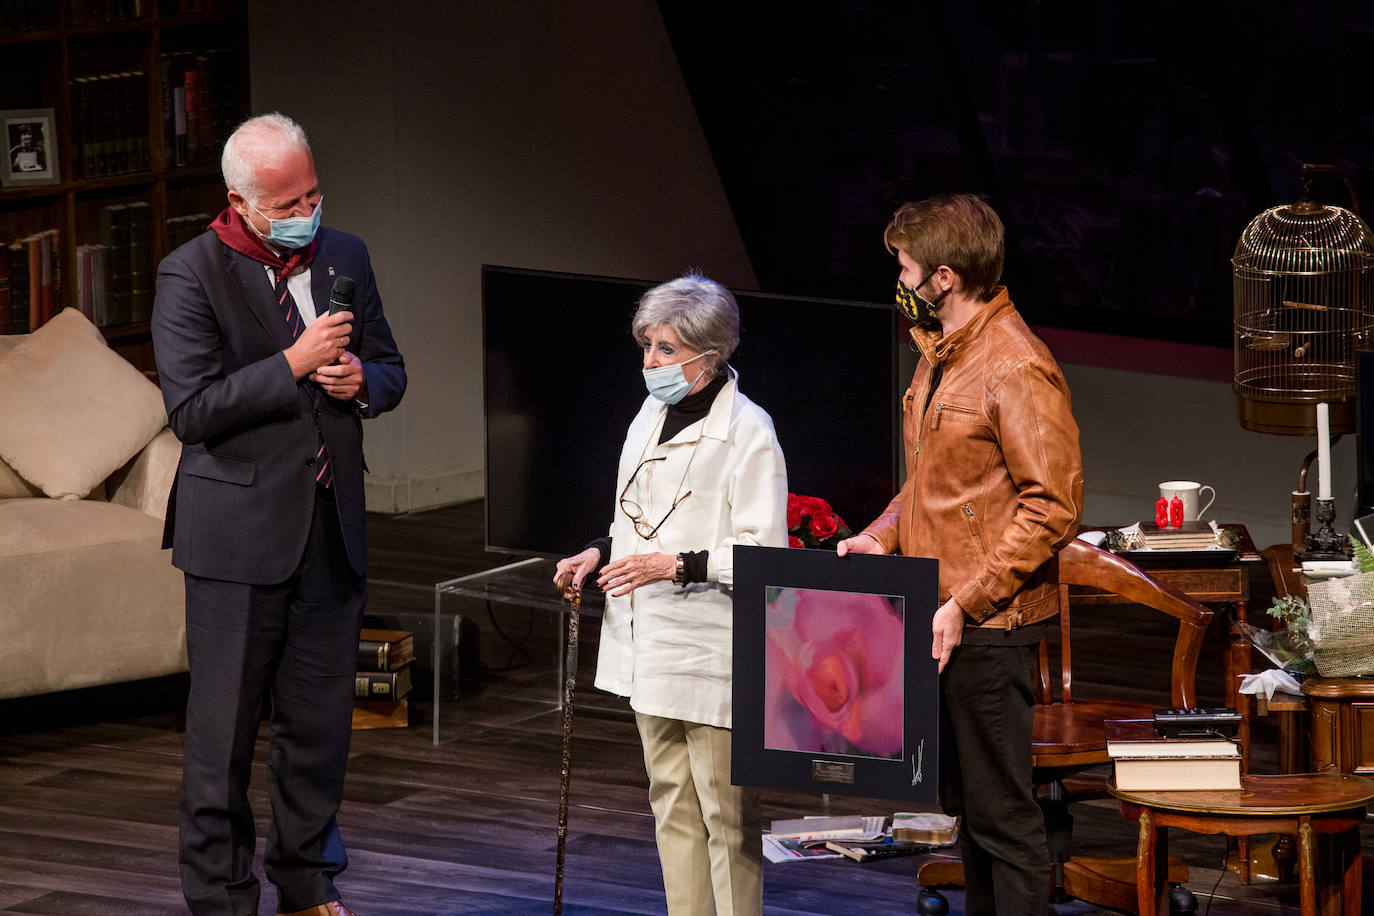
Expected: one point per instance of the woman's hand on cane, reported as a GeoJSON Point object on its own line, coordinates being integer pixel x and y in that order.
{"type": "Point", "coordinates": [571, 571]}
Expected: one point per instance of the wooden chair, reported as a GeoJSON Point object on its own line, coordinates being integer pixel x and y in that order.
{"type": "Point", "coordinates": [1068, 732]}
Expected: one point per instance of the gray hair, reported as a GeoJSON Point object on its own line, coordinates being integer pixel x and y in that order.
{"type": "Point", "coordinates": [700, 311]}
{"type": "Point", "coordinates": [263, 140]}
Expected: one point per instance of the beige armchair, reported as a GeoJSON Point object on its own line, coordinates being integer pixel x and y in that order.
{"type": "Point", "coordinates": [87, 594]}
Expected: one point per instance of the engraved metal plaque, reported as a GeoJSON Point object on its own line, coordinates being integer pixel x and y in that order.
{"type": "Point", "coordinates": [832, 771]}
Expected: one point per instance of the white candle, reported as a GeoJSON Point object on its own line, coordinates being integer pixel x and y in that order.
{"type": "Point", "coordinates": [1323, 453]}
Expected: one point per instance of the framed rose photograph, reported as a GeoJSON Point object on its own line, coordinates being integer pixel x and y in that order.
{"type": "Point", "coordinates": [31, 145]}
{"type": "Point", "coordinates": [834, 686]}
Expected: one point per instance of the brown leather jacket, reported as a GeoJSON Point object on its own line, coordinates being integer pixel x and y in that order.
{"type": "Point", "coordinates": [994, 482]}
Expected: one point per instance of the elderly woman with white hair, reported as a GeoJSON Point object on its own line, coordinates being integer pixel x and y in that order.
{"type": "Point", "coordinates": [700, 471]}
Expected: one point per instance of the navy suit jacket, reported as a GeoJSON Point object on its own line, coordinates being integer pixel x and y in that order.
{"type": "Point", "coordinates": [241, 505]}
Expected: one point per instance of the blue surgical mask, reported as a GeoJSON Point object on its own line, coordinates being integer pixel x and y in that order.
{"type": "Point", "coordinates": [667, 383]}
{"type": "Point", "coordinates": [293, 232]}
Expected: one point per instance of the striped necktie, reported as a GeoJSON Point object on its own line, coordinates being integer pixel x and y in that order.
{"type": "Point", "coordinates": [296, 324]}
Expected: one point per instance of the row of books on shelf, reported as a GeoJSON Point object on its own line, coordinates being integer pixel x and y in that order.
{"type": "Point", "coordinates": [383, 682]}
{"type": "Point", "coordinates": [199, 104]}
{"type": "Point", "coordinates": [110, 116]}
{"type": "Point", "coordinates": [112, 281]}
{"type": "Point", "coordinates": [28, 15]}
{"type": "Point", "coordinates": [199, 110]}
{"type": "Point", "coordinates": [1145, 760]}
{"type": "Point", "coordinates": [181, 229]}
{"type": "Point", "coordinates": [114, 278]}
{"type": "Point", "coordinates": [30, 282]}
{"type": "Point", "coordinates": [97, 12]}
{"type": "Point", "coordinates": [182, 7]}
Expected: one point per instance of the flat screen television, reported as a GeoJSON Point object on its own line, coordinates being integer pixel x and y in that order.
{"type": "Point", "coordinates": [562, 383]}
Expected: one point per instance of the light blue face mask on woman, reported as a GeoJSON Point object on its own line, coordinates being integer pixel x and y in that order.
{"type": "Point", "coordinates": [295, 231]}
{"type": "Point", "coordinates": [667, 383]}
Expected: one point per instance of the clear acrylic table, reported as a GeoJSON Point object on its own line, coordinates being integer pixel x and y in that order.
{"type": "Point", "coordinates": [525, 584]}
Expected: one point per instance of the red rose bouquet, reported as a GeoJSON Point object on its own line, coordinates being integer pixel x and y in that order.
{"type": "Point", "coordinates": [812, 523]}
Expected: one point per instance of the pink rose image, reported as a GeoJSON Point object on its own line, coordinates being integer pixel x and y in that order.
{"type": "Point", "coordinates": [833, 672]}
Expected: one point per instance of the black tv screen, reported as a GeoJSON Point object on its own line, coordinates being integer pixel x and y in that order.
{"type": "Point", "coordinates": [562, 383]}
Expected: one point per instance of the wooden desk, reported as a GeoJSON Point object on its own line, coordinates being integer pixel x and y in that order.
{"type": "Point", "coordinates": [1322, 809]}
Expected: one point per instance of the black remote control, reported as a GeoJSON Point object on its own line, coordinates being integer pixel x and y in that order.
{"type": "Point", "coordinates": [1197, 722]}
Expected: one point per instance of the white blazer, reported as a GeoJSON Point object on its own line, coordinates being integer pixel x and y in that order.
{"type": "Point", "coordinates": [669, 648]}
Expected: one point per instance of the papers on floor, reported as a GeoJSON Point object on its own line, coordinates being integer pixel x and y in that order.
{"type": "Point", "coordinates": [858, 837]}
{"type": "Point", "coordinates": [856, 827]}
{"type": "Point", "coordinates": [780, 849]}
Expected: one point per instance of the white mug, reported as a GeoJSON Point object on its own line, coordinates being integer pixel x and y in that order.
{"type": "Point", "coordinates": [1188, 491]}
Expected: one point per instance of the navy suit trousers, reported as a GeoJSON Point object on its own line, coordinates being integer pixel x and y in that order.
{"type": "Point", "coordinates": [290, 648]}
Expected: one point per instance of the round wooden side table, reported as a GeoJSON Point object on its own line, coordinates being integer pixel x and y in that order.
{"type": "Point", "coordinates": [1321, 809]}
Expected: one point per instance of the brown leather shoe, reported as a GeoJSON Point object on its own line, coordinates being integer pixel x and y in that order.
{"type": "Point", "coordinates": [332, 908]}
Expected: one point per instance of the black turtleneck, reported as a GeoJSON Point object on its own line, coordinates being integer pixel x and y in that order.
{"type": "Point", "coordinates": [690, 409]}
{"type": "Point", "coordinates": [681, 415]}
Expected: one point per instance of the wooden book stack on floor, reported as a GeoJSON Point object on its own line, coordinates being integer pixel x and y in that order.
{"type": "Point", "coordinates": [1144, 760]}
{"type": "Point", "coordinates": [383, 679]}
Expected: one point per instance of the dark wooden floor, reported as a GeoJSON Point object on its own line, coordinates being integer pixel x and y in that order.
{"type": "Point", "coordinates": [88, 783]}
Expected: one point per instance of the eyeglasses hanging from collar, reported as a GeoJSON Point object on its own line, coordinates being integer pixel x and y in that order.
{"type": "Point", "coordinates": [635, 513]}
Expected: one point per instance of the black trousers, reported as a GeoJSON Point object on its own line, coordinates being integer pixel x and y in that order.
{"type": "Point", "coordinates": [293, 647]}
{"type": "Point", "coordinates": [986, 714]}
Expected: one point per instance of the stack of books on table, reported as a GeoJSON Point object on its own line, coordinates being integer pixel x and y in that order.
{"type": "Point", "coordinates": [383, 682]}
{"type": "Point", "coordinates": [1147, 761]}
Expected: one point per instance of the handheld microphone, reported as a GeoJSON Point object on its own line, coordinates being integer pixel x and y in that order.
{"type": "Point", "coordinates": [341, 296]}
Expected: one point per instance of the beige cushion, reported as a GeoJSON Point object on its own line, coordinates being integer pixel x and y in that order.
{"type": "Point", "coordinates": [12, 486]}
{"type": "Point", "coordinates": [71, 409]}
{"type": "Point", "coordinates": [86, 597]}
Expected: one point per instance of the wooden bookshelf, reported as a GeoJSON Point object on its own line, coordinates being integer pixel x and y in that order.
{"type": "Point", "coordinates": [109, 71]}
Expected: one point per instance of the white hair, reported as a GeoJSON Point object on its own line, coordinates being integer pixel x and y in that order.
{"type": "Point", "coordinates": [263, 140]}
{"type": "Point", "coordinates": [702, 313]}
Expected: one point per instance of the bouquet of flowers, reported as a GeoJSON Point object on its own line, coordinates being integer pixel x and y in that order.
{"type": "Point", "coordinates": [1331, 633]}
{"type": "Point", "coordinates": [812, 523]}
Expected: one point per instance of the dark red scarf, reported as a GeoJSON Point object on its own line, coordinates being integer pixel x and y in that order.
{"type": "Point", "coordinates": [232, 232]}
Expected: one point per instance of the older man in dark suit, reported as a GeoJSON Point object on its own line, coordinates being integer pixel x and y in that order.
{"type": "Point", "coordinates": [267, 391]}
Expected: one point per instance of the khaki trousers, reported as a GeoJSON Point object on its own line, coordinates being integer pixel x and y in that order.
{"type": "Point", "coordinates": [709, 836]}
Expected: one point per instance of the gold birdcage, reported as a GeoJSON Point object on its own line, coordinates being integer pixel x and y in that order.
{"type": "Point", "coordinates": [1304, 306]}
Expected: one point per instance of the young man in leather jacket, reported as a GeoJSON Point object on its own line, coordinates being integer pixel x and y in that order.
{"type": "Point", "coordinates": [994, 489]}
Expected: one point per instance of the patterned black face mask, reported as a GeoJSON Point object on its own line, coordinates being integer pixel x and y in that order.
{"type": "Point", "coordinates": [920, 310]}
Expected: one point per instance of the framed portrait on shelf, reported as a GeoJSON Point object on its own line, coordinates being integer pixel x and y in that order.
{"type": "Point", "coordinates": [834, 687]}
{"type": "Point", "coordinates": [31, 147]}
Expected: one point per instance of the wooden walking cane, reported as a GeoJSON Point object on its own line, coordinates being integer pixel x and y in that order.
{"type": "Point", "coordinates": [569, 691]}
